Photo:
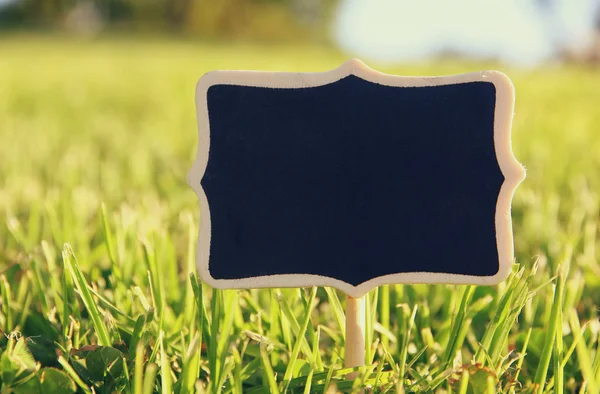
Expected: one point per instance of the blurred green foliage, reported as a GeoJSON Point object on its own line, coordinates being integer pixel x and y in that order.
{"type": "Point", "coordinates": [247, 19]}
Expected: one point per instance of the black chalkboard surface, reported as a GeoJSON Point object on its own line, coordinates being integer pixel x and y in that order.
{"type": "Point", "coordinates": [353, 178]}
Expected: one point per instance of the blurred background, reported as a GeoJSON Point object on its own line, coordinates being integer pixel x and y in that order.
{"type": "Point", "coordinates": [525, 32]}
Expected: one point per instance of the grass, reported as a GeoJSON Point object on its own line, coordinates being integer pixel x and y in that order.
{"type": "Point", "coordinates": [98, 291]}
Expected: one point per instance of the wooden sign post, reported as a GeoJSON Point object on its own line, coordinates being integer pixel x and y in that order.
{"type": "Point", "coordinates": [352, 179]}
{"type": "Point", "coordinates": [355, 333]}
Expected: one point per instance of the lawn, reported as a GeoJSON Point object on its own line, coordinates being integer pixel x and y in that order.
{"type": "Point", "coordinates": [98, 291]}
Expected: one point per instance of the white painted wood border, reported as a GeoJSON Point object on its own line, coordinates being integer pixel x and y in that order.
{"type": "Point", "coordinates": [513, 172]}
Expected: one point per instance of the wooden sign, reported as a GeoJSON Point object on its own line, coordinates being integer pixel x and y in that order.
{"type": "Point", "coordinates": [352, 178]}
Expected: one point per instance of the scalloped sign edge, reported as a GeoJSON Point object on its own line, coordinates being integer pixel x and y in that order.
{"type": "Point", "coordinates": [512, 170]}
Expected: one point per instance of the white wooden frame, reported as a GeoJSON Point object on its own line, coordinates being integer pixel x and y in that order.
{"type": "Point", "coordinates": [513, 171]}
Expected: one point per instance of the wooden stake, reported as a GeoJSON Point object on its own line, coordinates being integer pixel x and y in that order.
{"type": "Point", "coordinates": [355, 334]}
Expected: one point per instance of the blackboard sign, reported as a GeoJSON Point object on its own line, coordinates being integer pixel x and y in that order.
{"type": "Point", "coordinates": [352, 178]}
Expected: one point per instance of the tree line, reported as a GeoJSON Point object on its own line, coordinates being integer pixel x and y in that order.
{"type": "Point", "coordinates": [208, 17]}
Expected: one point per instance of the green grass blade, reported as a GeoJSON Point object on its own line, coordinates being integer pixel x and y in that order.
{"type": "Point", "coordinates": [521, 359]}
{"type": "Point", "coordinates": [6, 304]}
{"type": "Point", "coordinates": [384, 311]}
{"type": "Point", "coordinates": [583, 356]}
{"type": "Point", "coordinates": [404, 350]}
{"type": "Point", "coordinates": [308, 382]}
{"type": "Point", "coordinates": [336, 306]}
{"type": "Point", "coordinates": [287, 377]}
{"type": "Point", "coordinates": [458, 324]}
{"type": "Point", "coordinates": [212, 343]}
{"type": "Point", "coordinates": [108, 239]}
{"type": "Point", "coordinates": [150, 378]}
{"type": "Point", "coordinates": [165, 366]}
{"type": "Point", "coordinates": [464, 383]}
{"type": "Point", "coordinates": [269, 380]}
{"type": "Point", "coordinates": [371, 300]}
{"type": "Point", "coordinates": [138, 371]}
{"type": "Point", "coordinates": [155, 280]}
{"type": "Point", "coordinates": [293, 323]}
{"type": "Point", "coordinates": [554, 325]}
{"type": "Point", "coordinates": [72, 266]}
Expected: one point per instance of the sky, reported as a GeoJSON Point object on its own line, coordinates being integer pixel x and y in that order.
{"type": "Point", "coordinates": [513, 31]}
